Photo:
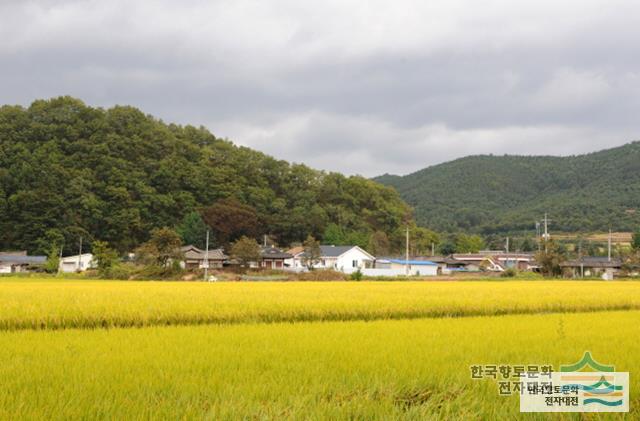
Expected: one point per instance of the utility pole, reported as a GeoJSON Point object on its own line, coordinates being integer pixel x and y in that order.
{"type": "Point", "coordinates": [538, 235]}
{"type": "Point", "coordinates": [433, 249]}
{"type": "Point", "coordinates": [507, 257]}
{"type": "Point", "coordinates": [546, 234]}
{"type": "Point", "coordinates": [80, 255]}
{"type": "Point", "coordinates": [206, 259]}
{"type": "Point", "coordinates": [60, 258]}
{"type": "Point", "coordinates": [406, 262]}
{"type": "Point", "coordinates": [581, 258]}
{"type": "Point", "coordinates": [609, 247]}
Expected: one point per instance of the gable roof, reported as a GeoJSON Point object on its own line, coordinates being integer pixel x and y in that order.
{"type": "Point", "coordinates": [337, 251]}
{"type": "Point", "coordinates": [294, 251]}
{"type": "Point", "coordinates": [194, 253]}
{"type": "Point", "coordinates": [593, 262]}
{"type": "Point", "coordinates": [274, 253]}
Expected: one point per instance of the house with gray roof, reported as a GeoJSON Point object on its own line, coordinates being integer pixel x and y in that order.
{"type": "Point", "coordinates": [345, 259]}
{"type": "Point", "coordinates": [196, 258]}
{"type": "Point", "coordinates": [19, 261]}
{"type": "Point", "coordinates": [273, 258]}
{"type": "Point", "coordinates": [587, 266]}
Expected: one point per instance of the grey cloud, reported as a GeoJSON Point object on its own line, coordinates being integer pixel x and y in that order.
{"type": "Point", "coordinates": [358, 87]}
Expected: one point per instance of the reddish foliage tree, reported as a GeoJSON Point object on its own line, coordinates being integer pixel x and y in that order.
{"type": "Point", "coordinates": [229, 219]}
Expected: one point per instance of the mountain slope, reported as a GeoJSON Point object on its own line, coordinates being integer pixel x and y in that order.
{"type": "Point", "coordinates": [491, 194]}
{"type": "Point", "coordinates": [68, 170]}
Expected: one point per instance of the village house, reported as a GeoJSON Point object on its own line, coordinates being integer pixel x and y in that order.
{"type": "Point", "coordinates": [497, 261]}
{"type": "Point", "coordinates": [345, 259]}
{"type": "Point", "coordinates": [273, 258]}
{"type": "Point", "coordinates": [295, 262]}
{"type": "Point", "coordinates": [19, 261]}
{"type": "Point", "coordinates": [604, 267]}
{"type": "Point", "coordinates": [447, 264]}
{"type": "Point", "coordinates": [195, 258]}
{"type": "Point", "coordinates": [77, 263]}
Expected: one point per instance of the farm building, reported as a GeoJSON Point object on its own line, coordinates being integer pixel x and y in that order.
{"type": "Point", "coordinates": [397, 267]}
{"type": "Point", "coordinates": [19, 261]}
{"type": "Point", "coordinates": [497, 261]}
{"type": "Point", "coordinates": [603, 267]}
{"type": "Point", "coordinates": [77, 263]}
{"type": "Point", "coordinates": [447, 264]}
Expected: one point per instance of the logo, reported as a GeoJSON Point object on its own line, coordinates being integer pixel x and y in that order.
{"type": "Point", "coordinates": [585, 386]}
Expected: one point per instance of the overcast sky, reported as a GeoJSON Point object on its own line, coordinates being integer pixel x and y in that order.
{"type": "Point", "coordinates": [363, 87]}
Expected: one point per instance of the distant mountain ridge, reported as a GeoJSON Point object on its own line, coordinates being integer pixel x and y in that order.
{"type": "Point", "coordinates": [496, 194]}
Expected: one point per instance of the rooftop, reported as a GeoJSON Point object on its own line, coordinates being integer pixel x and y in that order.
{"type": "Point", "coordinates": [593, 262]}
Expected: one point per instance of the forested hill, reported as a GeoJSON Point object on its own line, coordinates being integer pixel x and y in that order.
{"type": "Point", "coordinates": [69, 170]}
{"type": "Point", "coordinates": [490, 194]}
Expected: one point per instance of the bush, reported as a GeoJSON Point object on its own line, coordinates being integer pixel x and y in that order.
{"type": "Point", "coordinates": [356, 276]}
{"type": "Point", "coordinates": [121, 271]}
{"type": "Point", "coordinates": [509, 273]}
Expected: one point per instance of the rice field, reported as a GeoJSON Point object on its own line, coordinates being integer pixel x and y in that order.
{"type": "Point", "coordinates": [47, 304]}
{"type": "Point", "coordinates": [405, 369]}
{"type": "Point", "coordinates": [378, 350]}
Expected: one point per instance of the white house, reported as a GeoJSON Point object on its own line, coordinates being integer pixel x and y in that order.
{"type": "Point", "coordinates": [77, 263]}
{"type": "Point", "coordinates": [345, 259]}
{"type": "Point", "coordinates": [295, 262]}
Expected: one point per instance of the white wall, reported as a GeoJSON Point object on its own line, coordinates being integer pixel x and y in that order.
{"type": "Point", "coordinates": [70, 263]}
{"type": "Point", "coordinates": [424, 270]}
{"type": "Point", "coordinates": [344, 263]}
{"type": "Point", "coordinates": [382, 272]}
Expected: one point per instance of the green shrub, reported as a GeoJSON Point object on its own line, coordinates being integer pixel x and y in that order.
{"type": "Point", "coordinates": [509, 273]}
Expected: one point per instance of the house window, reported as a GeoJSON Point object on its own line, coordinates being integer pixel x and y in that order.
{"type": "Point", "coordinates": [354, 263]}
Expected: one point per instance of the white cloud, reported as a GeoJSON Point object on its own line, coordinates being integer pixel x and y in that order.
{"type": "Point", "coordinates": [361, 145]}
{"type": "Point", "coordinates": [569, 89]}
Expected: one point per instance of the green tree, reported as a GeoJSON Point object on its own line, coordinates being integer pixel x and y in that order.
{"type": "Point", "coordinates": [312, 252]}
{"type": "Point", "coordinates": [105, 257]}
{"type": "Point", "coordinates": [527, 244]}
{"type": "Point", "coordinates": [421, 240]}
{"type": "Point", "coordinates": [379, 244]}
{"type": "Point", "coordinates": [334, 235]}
{"type": "Point", "coordinates": [246, 250]}
{"type": "Point", "coordinates": [162, 248]}
{"type": "Point", "coordinates": [193, 230]}
{"type": "Point", "coordinates": [635, 240]}
{"type": "Point", "coordinates": [469, 243]}
{"type": "Point", "coordinates": [53, 259]}
{"type": "Point", "coordinates": [550, 258]}
{"type": "Point", "coordinates": [447, 248]}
